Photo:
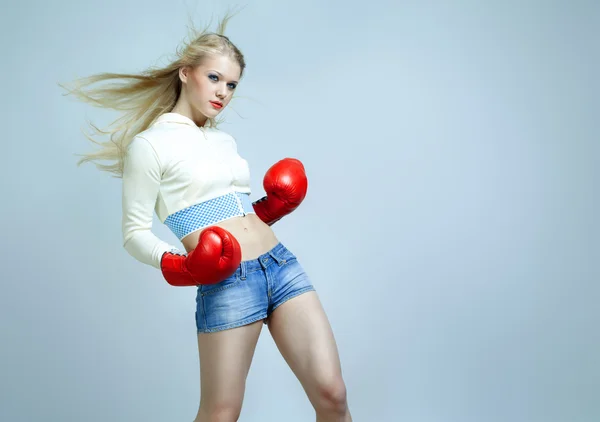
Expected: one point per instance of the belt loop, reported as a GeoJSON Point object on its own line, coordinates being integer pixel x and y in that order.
{"type": "Point", "coordinates": [243, 270]}
{"type": "Point", "coordinates": [276, 258]}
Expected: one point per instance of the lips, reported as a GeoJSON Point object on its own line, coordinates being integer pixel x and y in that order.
{"type": "Point", "coordinates": [216, 104]}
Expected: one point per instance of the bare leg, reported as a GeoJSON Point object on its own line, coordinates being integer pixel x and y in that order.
{"type": "Point", "coordinates": [303, 334]}
{"type": "Point", "coordinates": [225, 359]}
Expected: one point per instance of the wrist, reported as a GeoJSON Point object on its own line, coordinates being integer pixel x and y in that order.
{"type": "Point", "coordinates": [174, 270]}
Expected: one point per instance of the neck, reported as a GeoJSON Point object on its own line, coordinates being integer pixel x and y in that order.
{"type": "Point", "coordinates": [184, 108]}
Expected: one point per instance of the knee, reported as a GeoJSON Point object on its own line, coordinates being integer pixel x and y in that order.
{"type": "Point", "coordinates": [332, 396]}
{"type": "Point", "coordinates": [222, 411]}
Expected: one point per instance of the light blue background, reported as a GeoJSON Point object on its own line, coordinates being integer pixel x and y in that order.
{"type": "Point", "coordinates": [450, 225]}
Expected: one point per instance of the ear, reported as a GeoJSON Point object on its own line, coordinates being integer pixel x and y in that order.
{"type": "Point", "coordinates": [183, 73]}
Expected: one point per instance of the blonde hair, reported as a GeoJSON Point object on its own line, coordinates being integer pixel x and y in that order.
{"type": "Point", "coordinates": [143, 97]}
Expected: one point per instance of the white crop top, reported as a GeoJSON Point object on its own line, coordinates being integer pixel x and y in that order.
{"type": "Point", "coordinates": [170, 166]}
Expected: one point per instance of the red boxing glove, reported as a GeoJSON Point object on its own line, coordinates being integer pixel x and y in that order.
{"type": "Point", "coordinates": [216, 257]}
{"type": "Point", "coordinates": [285, 184]}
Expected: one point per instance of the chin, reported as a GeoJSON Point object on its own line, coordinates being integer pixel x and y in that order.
{"type": "Point", "coordinates": [212, 112]}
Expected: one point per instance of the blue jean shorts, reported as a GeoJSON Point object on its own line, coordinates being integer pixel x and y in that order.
{"type": "Point", "coordinates": [252, 293]}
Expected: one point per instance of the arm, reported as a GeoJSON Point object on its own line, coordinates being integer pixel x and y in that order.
{"type": "Point", "coordinates": [141, 182]}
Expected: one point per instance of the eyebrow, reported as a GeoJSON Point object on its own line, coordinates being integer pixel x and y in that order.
{"type": "Point", "coordinates": [220, 74]}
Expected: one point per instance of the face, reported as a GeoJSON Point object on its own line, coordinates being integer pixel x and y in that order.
{"type": "Point", "coordinates": [210, 86]}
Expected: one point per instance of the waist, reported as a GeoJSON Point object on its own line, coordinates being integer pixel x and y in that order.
{"type": "Point", "coordinates": [204, 214]}
{"type": "Point", "coordinates": [254, 236]}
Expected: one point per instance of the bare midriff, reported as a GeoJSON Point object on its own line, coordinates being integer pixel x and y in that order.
{"type": "Point", "coordinates": [254, 236]}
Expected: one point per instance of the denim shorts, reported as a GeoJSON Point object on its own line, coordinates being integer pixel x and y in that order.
{"type": "Point", "coordinates": [257, 287]}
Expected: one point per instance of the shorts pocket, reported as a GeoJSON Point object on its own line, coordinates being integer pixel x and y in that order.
{"type": "Point", "coordinates": [229, 282]}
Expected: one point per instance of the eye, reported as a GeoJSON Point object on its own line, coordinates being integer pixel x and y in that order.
{"type": "Point", "coordinates": [232, 86]}
{"type": "Point", "coordinates": [213, 77]}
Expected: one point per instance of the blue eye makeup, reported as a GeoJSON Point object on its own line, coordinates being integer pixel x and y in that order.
{"type": "Point", "coordinates": [215, 78]}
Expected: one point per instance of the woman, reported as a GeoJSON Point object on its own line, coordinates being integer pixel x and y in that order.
{"type": "Point", "coordinates": [173, 160]}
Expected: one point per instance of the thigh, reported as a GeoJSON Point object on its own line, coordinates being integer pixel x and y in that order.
{"type": "Point", "coordinates": [302, 332]}
{"type": "Point", "coordinates": [225, 358]}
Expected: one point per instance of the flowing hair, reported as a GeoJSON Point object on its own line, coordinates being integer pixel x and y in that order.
{"type": "Point", "coordinates": [144, 96]}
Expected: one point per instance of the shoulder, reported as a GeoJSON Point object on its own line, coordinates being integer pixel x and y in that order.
{"type": "Point", "coordinates": [150, 147]}
{"type": "Point", "coordinates": [141, 158]}
{"type": "Point", "coordinates": [160, 133]}
{"type": "Point", "coordinates": [141, 146]}
{"type": "Point", "coordinates": [163, 140]}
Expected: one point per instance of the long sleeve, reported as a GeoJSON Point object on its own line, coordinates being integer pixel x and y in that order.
{"type": "Point", "coordinates": [141, 183]}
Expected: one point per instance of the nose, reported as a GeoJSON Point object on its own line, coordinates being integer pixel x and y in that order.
{"type": "Point", "coordinates": [220, 93]}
